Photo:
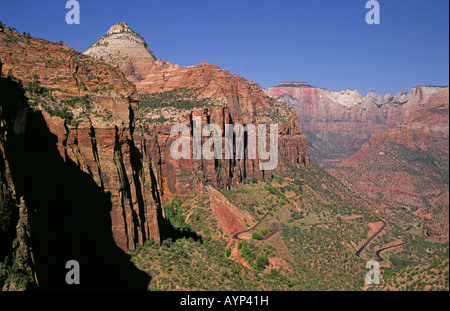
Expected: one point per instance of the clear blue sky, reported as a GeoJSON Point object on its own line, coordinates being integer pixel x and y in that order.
{"type": "Point", "coordinates": [324, 42]}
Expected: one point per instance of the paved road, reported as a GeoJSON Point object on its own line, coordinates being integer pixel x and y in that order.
{"type": "Point", "coordinates": [358, 252]}
{"type": "Point", "coordinates": [236, 235]}
{"type": "Point", "coordinates": [378, 252]}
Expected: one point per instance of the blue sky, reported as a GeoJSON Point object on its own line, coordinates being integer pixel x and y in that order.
{"type": "Point", "coordinates": [326, 43]}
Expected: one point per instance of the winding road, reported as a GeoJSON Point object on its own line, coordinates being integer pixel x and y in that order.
{"type": "Point", "coordinates": [236, 235]}
{"type": "Point", "coordinates": [378, 252]}
{"type": "Point", "coordinates": [357, 253]}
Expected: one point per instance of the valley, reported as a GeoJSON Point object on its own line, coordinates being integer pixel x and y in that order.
{"type": "Point", "coordinates": [86, 172]}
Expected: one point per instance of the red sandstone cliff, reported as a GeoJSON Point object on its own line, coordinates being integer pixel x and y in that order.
{"type": "Point", "coordinates": [104, 149]}
{"type": "Point", "coordinates": [94, 113]}
{"type": "Point", "coordinates": [337, 124]}
{"type": "Point", "coordinates": [234, 100]}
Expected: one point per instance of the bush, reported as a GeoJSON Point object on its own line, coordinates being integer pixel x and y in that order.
{"type": "Point", "coordinates": [35, 84]}
{"type": "Point", "coordinates": [262, 262]}
{"type": "Point", "coordinates": [296, 216]}
{"type": "Point", "coordinates": [257, 236]}
{"type": "Point", "coordinates": [174, 213]}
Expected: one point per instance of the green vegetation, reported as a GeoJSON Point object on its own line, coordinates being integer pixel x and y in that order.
{"type": "Point", "coordinates": [421, 264]}
{"type": "Point", "coordinates": [35, 85]}
{"type": "Point", "coordinates": [182, 98]}
{"type": "Point", "coordinates": [319, 257]}
{"type": "Point", "coordinates": [260, 235]}
{"type": "Point", "coordinates": [296, 215]}
{"type": "Point", "coordinates": [58, 108]}
{"type": "Point", "coordinates": [174, 212]}
{"type": "Point", "coordinates": [74, 101]}
{"type": "Point", "coordinates": [63, 106]}
{"type": "Point", "coordinates": [262, 262]}
{"type": "Point", "coordinates": [255, 256]}
{"type": "Point", "coordinates": [62, 112]}
{"type": "Point", "coordinates": [257, 236]}
{"type": "Point", "coordinates": [15, 272]}
{"type": "Point", "coordinates": [188, 265]}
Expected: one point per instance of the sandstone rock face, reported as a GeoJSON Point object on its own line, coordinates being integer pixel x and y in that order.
{"type": "Point", "coordinates": [337, 124]}
{"type": "Point", "coordinates": [112, 150]}
{"type": "Point", "coordinates": [93, 115]}
{"type": "Point", "coordinates": [234, 100]}
{"type": "Point", "coordinates": [59, 211]}
{"type": "Point", "coordinates": [14, 222]}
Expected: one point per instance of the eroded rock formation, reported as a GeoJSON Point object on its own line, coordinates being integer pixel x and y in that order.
{"type": "Point", "coordinates": [337, 124]}
{"type": "Point", "coordinates": [90, 115]}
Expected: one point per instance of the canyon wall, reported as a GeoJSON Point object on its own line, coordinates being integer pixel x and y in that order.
{"type": "Point", "coordinates": [93, 173]}
{"type": "Point", "coordinates": [337, 124]}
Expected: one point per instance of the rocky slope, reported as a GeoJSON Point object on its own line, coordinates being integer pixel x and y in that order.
{"type": "Point", "coordinates": [408, 163]}
{"type": "Point", "coordinates": [337, 124]}
{"type": "Point", "coordinates": [91, 167]}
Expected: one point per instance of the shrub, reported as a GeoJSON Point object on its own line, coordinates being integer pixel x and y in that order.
{"type": "Point", "coordinates": [257, 236]}
{"type": "Point", "coordinates": [262, 262]}
{"type": "Point", "coordinates": [296, 216]}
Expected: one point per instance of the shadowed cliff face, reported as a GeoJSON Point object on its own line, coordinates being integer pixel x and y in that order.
{"type": "Point", "coordinates": [98, 133]}
{"type": "Point", "coordinates": [9, 211]}
{"type": "Point", "coordinates": [69, 214]}
{"type": "Point", "coordinates": [96, 130]}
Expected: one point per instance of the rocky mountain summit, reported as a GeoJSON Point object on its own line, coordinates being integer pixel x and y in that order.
{"type": "Point", "coordinates": [125, 49]}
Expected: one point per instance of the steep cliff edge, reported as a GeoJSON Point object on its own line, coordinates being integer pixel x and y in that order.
{"type": "Point", "coordinates": [17, 271]}
{"type": "Point", "coordinates": [90, 108]}
{"type": "Point", "coordinates": [107, 140]}
{"type": "Point", "coordinates": [60, 212]}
